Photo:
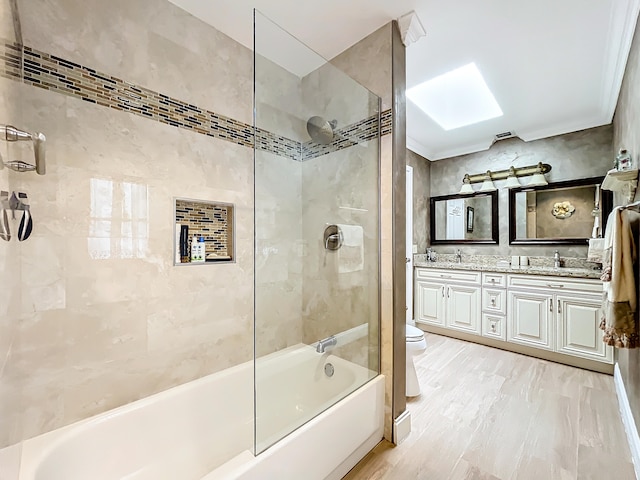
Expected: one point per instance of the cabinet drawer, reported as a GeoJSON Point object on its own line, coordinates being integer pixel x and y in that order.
{"type": "Point", "coordinates": [494, 300]}
{"type": "Point", "coordinates": [448, 275]}
{"type": "Point", "coordinates": [493, 326]}
{"type": "Point", "coordinates": [554, 284]}
{"type": "Point", "coordinates": [494, 280]}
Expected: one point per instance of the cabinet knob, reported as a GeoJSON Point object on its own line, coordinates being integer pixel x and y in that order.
{"type": "Point", "coordinates": [493, 327]}
{"type": "Point", "coordinates": [493, 302]}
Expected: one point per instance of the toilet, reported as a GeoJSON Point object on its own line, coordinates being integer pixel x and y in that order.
{"type": "Point", "coordinates": [416, 344]}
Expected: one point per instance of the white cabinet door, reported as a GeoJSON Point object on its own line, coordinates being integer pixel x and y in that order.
{"type": "Point", "coordinates": [579, 333]}
{"type": "Point", "coordinates": [463, 308]}
{"type": "Point", "coordinates": [430, 303]}
{"type": "Point", "coordinates": [530, 319]}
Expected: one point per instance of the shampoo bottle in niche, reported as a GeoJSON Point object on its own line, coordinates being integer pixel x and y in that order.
{"type": "Point", "coordinates": [194, 249]}
{"type": "Point", "coordinates": [197, 249]}
{"type": "Point", "coordinates": [202, 249]}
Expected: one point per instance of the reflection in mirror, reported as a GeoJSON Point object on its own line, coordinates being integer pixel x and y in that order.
{"type": "Point", "coordinates": [464, 218]}
{"type": "Point", "coordinates": [559, 213]}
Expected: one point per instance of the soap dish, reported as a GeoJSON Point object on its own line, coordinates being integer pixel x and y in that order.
{"type": "Point", "coordinates": [503, 264]}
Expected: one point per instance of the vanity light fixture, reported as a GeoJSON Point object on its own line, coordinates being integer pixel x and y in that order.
{"type": "Point", "coordinates": [537, 173]}
{"type": "Point", "coordinates": [538, 179]}
{"type": "Point", "coordinates": [466, 189]}
{"type": "Point", "coordinates": [512, 179]}
{"type": "Point", "coordinates": [487, 184]}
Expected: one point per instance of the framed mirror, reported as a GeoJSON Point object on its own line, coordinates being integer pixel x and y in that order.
{"type": "Point", "coordinates": [464, 218]}
{"type": "Point", "coordinates": [558, 213]}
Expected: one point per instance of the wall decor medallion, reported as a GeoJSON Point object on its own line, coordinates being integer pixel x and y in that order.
{"type": "Point", "coordinates": [563, 210]}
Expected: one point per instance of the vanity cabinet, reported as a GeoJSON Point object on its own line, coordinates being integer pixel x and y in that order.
{"type": "Point", "coordinates": [449, 299]}
{"type": "Point", "coordinates": [560, 315]}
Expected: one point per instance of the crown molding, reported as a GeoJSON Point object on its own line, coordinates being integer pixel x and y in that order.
{"type": "Point", "coordinates": [622, 26]}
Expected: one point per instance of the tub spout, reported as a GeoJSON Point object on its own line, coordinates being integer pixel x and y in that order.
{"type": "Point", "coordinates": [326, 342]}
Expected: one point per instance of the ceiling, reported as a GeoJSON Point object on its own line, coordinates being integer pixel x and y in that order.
{"type": "Point", "coordinates": [553, 66]}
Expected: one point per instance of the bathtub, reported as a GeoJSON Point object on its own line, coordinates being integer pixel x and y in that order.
{"type": "Point", "coordinates": [204, 430]}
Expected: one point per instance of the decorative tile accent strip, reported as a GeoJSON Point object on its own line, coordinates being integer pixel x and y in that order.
{"type": "Point", "coordinates": [50, 72]}
{"type": "Point", "coordinates": [385, 122]}
{"type": "Point", "coordinates": [343, 138]}
{"type": "Point", "coordinates": [211, 221]}
{"type": "Point", "coordinates": [11, 56]}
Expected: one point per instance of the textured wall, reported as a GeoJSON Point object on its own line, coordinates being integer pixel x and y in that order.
{"type": "Point", "coordinates": [583, 154]}
{"type": "Point", "coordinates": [626, 124]}
{"type": "Point", "coordinates": [421, 191]}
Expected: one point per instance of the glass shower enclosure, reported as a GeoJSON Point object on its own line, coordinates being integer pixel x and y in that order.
{"type": "Point", "coordinates": [316, 233]}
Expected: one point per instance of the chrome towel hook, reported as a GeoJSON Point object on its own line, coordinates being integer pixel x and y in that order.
{"type": "Point", "coordinates": [9, 133]}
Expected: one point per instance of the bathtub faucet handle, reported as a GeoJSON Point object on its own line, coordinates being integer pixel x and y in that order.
{"type": "Point", "coordinates": [331, 341]}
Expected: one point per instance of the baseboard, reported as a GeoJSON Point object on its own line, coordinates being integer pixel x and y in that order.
{"type": "Point", "coordinates": [401, 427]}
{"type": "Point", "coordinates": [627, 420]}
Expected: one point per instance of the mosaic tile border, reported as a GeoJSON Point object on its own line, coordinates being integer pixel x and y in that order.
{"type": "Point", "coordinates": [208, 220]}
{"type": "Point", "coordinates": [56, 74]}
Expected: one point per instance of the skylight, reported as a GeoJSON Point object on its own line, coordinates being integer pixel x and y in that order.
{"type": "Point", "coordinates": [457, 98]}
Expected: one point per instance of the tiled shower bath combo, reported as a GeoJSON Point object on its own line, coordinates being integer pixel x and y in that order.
{"type": "Point", "coordinates": [102, 333]}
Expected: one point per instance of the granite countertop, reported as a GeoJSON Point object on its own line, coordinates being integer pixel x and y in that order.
{"type": "Point", "coordinates": [528, 270]}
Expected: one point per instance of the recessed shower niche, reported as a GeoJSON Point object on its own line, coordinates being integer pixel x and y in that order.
{"type": "Point", "coordinates": [203, 232]}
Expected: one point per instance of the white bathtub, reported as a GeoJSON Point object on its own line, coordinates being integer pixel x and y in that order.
{"type": "Point", "coordinates": [204, 429]}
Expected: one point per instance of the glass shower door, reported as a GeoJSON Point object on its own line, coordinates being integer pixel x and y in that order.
{"type": "Point", "coordinates": [316, 234]}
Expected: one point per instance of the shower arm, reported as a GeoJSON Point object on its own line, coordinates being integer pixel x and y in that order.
{"type": "Point", "coordinates": [10, 133]}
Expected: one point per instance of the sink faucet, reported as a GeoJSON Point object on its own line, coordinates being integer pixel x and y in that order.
{"type": "Point", "coordinates": [326, 342]}
{"type": "Point", "coordinates": [556, 259]}
{"type": "Point", "coordinates": [458, 256]}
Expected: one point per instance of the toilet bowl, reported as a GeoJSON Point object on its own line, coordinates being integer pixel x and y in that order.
{"type": "Point", "coordinates": [416, 344]}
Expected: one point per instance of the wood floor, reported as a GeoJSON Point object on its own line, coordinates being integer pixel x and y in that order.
{"type": "Point", "coordinates": [485, 413]}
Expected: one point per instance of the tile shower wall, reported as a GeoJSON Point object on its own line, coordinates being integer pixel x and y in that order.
{"type": "Point", "coordinates": [10, 263]}
{"type": "Point", "coordinates": [340, 288]}
{"type": "Point", "coordinates": [583, 154]}
{"type": "Point", "coordinates": [96, 315]}
{"type": "Point", "coordinates": [626, 134]}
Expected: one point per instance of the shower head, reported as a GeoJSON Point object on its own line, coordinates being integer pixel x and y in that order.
{"type": "Point", "coordinates": [320, 130]}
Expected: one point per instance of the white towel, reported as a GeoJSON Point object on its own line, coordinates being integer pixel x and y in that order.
{"type": "Point", "coordinates": [596, 250]}
{"type": "Point", "coordinates": [351, 253]}
{"type": "Point", "coordinates": [619, 285]}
